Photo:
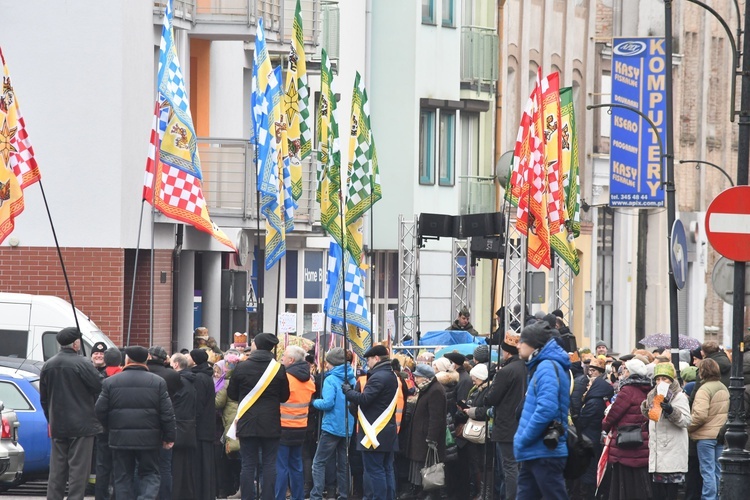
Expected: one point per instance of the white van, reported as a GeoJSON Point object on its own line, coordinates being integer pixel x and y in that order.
{"type": "Point", "coordinates": [29, 323]}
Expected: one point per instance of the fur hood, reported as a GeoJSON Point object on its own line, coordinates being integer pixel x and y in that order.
{"type": "Point", "coordinates": [447, 378]}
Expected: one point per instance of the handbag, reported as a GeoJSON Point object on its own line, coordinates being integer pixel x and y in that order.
{"type": "Point", "coordinates": [474, 431]}
{"type": "Point", "coordinates": [449, 441]}
{"type": "Point", "coordinates": [629, 437]}
{"type": "Point", "coordinates": [433, 473]}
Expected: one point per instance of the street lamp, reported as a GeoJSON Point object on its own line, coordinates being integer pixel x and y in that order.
{"type": "Point", "coordinates": [698, 164]}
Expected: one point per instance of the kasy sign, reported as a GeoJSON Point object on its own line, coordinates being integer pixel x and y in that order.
{"type": "Point", "coordinates": [638, 81]}
{"type": "Point", "coordinates": [728, 223]}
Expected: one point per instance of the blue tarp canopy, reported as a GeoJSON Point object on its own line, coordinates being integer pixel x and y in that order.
{"type": "Point", "coordinates": [447, 337]}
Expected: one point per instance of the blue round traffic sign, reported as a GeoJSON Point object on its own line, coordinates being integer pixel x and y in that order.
{"type": "Point", "coordinates": [678, 254]}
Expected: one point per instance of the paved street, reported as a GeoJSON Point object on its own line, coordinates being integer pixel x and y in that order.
{"type": "Point", "coordinates": [32, 489]}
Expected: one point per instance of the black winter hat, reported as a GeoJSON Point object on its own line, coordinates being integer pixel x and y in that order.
{"type": "Point", "coordinates": [455, 357]}
{"type": "Point", "coordinates": [68, 335]}
{"type": "Point", "coordinates": [536, 335]}
{"type": "Point", "coordinates": [199, 356]}
{"type": "Point", "coordinates": [137, 353]}
{"type": "Point", "coordinates": [265, 341]}
{"type": "Point", "coordinates": [98, 347]}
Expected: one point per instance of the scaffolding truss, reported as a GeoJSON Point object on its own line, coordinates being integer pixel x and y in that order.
{"type": "Point", "coordinates": [461, 276]}
{"type": "Point", "coordinates": [563, 289]}
{"type": "Point", "coordinates": [408, 270]}
{"type": "Point", "coordinates": [514, 272]}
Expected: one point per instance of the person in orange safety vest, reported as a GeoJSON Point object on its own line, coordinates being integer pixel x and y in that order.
{"type": "Point", "coordinates": [289, 472]}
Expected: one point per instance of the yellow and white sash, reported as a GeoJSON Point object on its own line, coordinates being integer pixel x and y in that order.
{"type": "Point", "coordinates": [371, 431]}
{"type": "Point", "coordinates": [252, 396]}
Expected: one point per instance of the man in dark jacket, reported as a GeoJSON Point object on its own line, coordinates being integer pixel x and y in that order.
{"type": "Point", "coordinates": [68, 386]}
{"type": "Point", "coordinates": [294, 424]}
{"type": "Point", "coordinates": [505, 395]}
{"type": "Point", "coordinates": [157, 357]}
{"type": "Point", "coordinates": [371, 403]}
{"type": "Point", "coordinates": [135, 408]}
{"type": "Point", "coordinates": [205, 425]}
{"type": "Point", "coordinates": [258, 422]}
{"type": "Point", "coordinates": [183, 453]}
{"type": "Point", "coordinates": [463, 323]}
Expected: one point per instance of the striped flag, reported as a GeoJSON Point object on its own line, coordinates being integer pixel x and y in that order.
{"type": "Point", "coordinates": [177, 187]}
{"type": "Point", "coordinates": [18, 167]}
{"type": "Point", "coordinates": [329, 157]}
{"type": "Point", "coordinates": [298, 72]}
{"type": "Point", "coordinates": [363, 174]}
{"type": "Point", "coordinates": [569, 168]}
{"type": "Point", "coordinates": [293, 102]}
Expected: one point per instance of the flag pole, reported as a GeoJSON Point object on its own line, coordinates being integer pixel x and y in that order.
{"type": "Point", "coordinates": [135, 271]}
{"type": "Point", "coordinates": [62, 263]}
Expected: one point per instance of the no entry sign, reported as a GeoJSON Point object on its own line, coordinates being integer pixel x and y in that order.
{"type": "Point", "coordinates": [728, 223]}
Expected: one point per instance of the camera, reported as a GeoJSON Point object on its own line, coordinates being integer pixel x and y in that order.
{"type": "Point", "coordinates": [552, 434]}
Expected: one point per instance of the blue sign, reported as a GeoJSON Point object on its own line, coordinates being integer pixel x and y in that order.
{"type": "Point", "coordinates": [639, 81]}
{"type": "Point", "coordinates": [678, 254]}
{"type": "Point", "coordinates": [313, 275]}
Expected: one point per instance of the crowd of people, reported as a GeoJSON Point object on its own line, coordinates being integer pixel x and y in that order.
{"type": "Point", "coordinates": [205, 424]}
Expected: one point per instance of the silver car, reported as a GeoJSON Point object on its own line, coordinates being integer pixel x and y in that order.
{"type": "Point", "coordinates": [11, 452]}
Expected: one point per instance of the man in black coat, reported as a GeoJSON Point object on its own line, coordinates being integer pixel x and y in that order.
{"type": "Point", "coordinates": [135, 408]}
{"type": "Point", "coordinates": [183, 452]}
{"type": "Point", "coordinates": [68, 386]}
{"type": "Point", "coordinates": [258, 425]}
{"type": "Point", "coordinates": [505, 395]}
{"type": "Point", "coordinates": [156, 363]}
{"type": "Point", "coordinates": [377, 399]}
{"type": "Point", "coordinates": [205, 425]}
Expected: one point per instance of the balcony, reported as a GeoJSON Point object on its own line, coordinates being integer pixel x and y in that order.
{"type": "Point", "coordinates": [479, 48]}
{"type": "Point", "coordinates": [229, 181]}
{"type": "Point", "coordinates": [236, 19]}
{"type": "Point", "coordinates": [477, 195]}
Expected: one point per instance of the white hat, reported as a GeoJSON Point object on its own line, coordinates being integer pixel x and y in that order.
{"type": "Point", "coordinates": [636, 367]}
{"type": "Point", "coordinates": [479, 371]}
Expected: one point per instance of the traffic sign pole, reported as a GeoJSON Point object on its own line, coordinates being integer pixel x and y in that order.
{"type": "Point", "coordinates": [735, 461]}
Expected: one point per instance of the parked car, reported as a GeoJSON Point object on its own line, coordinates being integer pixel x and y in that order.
{"type": "Point", "coordinates": [19, 390]}
{"type": "Point", "coordinates": [28, 365]}
{"type": "Point", "coordinates": [10, 448]}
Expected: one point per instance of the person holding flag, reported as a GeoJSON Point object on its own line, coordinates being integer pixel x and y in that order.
{"type": "Point", "coordinates": [374, 403]}
{"type": "Point", "coordinates": [260, 385]}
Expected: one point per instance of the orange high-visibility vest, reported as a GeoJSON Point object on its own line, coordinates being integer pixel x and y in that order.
{"type": "Point", "coordinates": [294, 410]}
{"type": "Point", "coordinates": [400, 401]}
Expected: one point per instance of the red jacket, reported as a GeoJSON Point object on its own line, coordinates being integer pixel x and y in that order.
{"type": "Point", "coordinates": [626, 410]}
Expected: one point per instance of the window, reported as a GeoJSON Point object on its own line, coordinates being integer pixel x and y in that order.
{"type": "Point", "coordinates": [428, 11]}
{"type": "Point", "coordinates": [448, 13]}
{"type": "Point", "coordinates": [447, 148]}
{"type": "Point", "coordinates": [605, 270]}
{"type": "Point", "coordinates": [427, 146]}
{"type": "Point", "coordinates": [13, 398]}
{"type": "Point", "coordinates": [13, 343]}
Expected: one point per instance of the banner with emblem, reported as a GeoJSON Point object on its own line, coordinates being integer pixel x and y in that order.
{"type": "Point", "coordinates": [564, 242]}
{"type": "Point", "coordinates": [18, 168]}
{"type": "Point", "coordinates": [177, 177]}
{"type": "Point", "coordinates": [329, 155]}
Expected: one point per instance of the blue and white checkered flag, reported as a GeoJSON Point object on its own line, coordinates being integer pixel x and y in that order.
{"type": "Point", "coordinates": [350, 294]}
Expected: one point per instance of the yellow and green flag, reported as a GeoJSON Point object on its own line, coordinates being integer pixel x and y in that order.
{"type": "Point", "coordinates": [328, 193]}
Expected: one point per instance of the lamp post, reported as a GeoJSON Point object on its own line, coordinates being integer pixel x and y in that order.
{"type": "Point", "coordinates": [698, 164]}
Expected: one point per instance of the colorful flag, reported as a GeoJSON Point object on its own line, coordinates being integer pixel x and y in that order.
{"type": "Point", "coordinates": [177, 188]}
{"type": "Point", "coordinates": [529, 180]}
{"type": "Point", "coordinates": [329, 157]}
{"type": "Point", "coordinates": [347, 294]}
{"type": "Point", "coordinates": [296, 106]}
{"type": "Point", "coordinates": [363, 174]}
{"type": "Point", "coordinates": [270, 165]}
{"type": "Point", "coordinates": [569, 140]}
{"type": "Point", "coordinates": [561, 241]}
{"type": "Point", "coordinates": [18, 168]}
{"type": "Point", "coordinates": [262, 71]}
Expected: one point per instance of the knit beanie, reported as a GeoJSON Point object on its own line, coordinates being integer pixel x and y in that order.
{"type": "Point", "coordinates": [636, 367]}
{"type": "Point", "coordinates": [536, 335]}
{"type": "Point", "coordinates": [335, 356]}
{"type": "Point", "coordinates": [443, 365]}
{"type": "Point", "coordinates": [482, 354]}
{"type": "Point", "coordinates": [664, 370]}
{"type": "Point", "coordinates": [480, 372]}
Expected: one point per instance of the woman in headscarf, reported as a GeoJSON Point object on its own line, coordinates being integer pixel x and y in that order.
{"type": "Point", "coordinates": [629, 478]}
{"type": "Point", "coordinates": [477, 410]}
{"type": "Point", "coordinates": [227, 458]}
{"type": "Point", "coordinates": [668, 411]}
{"type": "Point", "coordinates": [427, 427]}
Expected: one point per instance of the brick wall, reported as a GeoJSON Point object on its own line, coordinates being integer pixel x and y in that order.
{"type": "Point", "coordinates": [141, 302]}
{"type": "Point", "coordinates": [101, 281]}
{"type": "Point", "coordinates": [95, 275]}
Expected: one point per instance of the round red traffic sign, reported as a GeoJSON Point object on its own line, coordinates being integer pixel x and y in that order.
{"type": "Point", "coordinates": [728, 223]}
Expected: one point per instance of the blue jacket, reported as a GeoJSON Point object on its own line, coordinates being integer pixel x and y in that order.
{"type": "Point", "coordinates": [547, 399]}
{"type": "Point", "coordinates": [333, 403]}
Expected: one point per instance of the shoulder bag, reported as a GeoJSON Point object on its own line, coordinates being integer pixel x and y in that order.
{"type": "Point", "coordinates": [433, 473]}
